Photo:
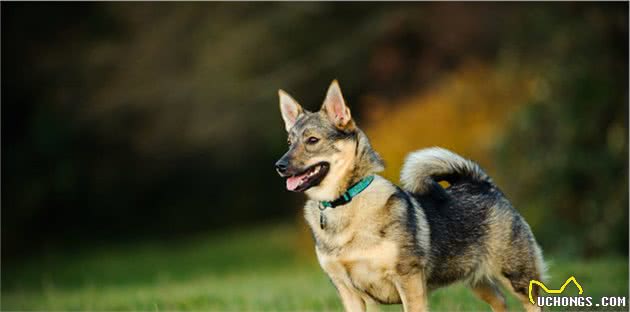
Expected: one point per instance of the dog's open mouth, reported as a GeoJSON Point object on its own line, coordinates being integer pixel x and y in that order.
{"type": "Point", "coordinates": [310, 177]}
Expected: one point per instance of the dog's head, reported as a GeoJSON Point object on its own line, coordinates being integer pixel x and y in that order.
{"type": "Point", "coordinates": [326, 149]}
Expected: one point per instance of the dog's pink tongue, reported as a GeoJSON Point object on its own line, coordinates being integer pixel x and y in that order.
{"type": "Point", "coordinates": [293, 182]}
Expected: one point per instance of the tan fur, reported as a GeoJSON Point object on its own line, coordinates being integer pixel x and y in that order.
{"type": "Point", "coordinates": [379, 247]}
{"type": "Point", "coordinates": [356, 247]}
{"type": "Point", "coordinates": [497, 247]}
{"type": "Point", "coordinates": [289, 108]}
{"type": "Point", "coordinates": [355, 258]}
{"type": "Point", "coordinates": [490, 293]}
{"type": "Point", "coordinates": [527, 305]}
{"type": "Point", "coordinates": [413, 291]}
{"type": "Point", "coordinates": [335, 182]}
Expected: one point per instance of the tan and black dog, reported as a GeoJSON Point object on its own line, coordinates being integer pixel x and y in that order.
{"type": "Point", "coordinates": [381, 243]}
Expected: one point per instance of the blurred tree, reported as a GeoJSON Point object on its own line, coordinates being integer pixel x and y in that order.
{"type": "Point", "coordinates": [564, 159]}
{"type": "Point", "coordinates": [543, 109]}
{"type": "Point", "coordinates": [123, 120]}
{"type": "Point", "coordinates": [126, 120]}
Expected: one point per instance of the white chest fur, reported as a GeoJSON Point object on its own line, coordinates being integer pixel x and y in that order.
{"type": "Point", "coordinates": [367, 271]}
{"type": "Point", "coordinates": [350, 249]}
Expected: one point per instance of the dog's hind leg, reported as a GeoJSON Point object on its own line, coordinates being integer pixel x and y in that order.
{"type": "Point", "coordinates": [519, 261]}
{"type": "Point", "coordinates": [517, 282]}
{"type": "Point", "coordinates": [491, 294]}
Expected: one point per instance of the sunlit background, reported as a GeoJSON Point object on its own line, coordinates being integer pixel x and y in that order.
{"type": "Point", "coordinates": [138, 139]}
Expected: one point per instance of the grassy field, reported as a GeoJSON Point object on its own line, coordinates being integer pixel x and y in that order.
{"type": "Point", "coordinates": [260, 269]}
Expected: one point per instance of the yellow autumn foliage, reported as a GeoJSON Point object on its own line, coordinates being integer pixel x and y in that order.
{"type": "Point", "coordinates": [466, 111]}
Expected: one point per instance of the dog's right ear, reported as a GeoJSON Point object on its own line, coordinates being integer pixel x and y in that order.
{"type": "Point", "coordinates": [290, 109]}
{"type": "Point", "coordinates": [335, 106]}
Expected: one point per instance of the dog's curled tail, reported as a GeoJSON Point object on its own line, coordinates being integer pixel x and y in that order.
{"type": "Point", "coordinates": [424, 167]}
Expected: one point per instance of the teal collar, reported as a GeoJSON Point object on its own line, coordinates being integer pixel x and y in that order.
{"type": "Point", "coordinates": [347, 196]}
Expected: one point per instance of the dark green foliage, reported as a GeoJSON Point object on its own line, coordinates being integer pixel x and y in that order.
{"type": "Point", "coordinates": [130, 120]}
{"type": "Point", "coordinates": [564, 160]}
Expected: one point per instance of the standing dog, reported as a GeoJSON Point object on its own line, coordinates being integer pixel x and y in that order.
{"type": "Point", "coordinates": [380, 243]}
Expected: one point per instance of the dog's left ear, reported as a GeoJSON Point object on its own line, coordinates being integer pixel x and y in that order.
{"type": "Point", "coordinates": [290, 109]}
{"type": "Point", "coordinates": [335, 106]}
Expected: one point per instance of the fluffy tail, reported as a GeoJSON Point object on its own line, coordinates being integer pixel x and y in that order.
{"type": "Point", "coordinates": [424, 167]}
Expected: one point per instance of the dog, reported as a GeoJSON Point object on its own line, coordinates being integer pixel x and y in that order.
{"type": "Point", "coordinates": [385, 244]}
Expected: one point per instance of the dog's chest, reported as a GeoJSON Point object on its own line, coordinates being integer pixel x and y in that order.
{"type": "Point", "coordinates": [351, 247]}
{"type": "Point", "coordinates": [364, 268]}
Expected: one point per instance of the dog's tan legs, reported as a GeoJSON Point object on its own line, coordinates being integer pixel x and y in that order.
{"type": "Point", "coordinates": [413, 292]}
{"type": "Point", "coordinates": [351, 301]}
{"type": "Point", "coordinates": [490, 293]}
{"type": "Point", "coordinates": [519, 288]}
{"type": "Point", "coordinates": [527, 305]}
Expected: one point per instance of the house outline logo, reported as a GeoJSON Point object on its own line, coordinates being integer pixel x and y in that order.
{"type": "Point", "coordinates": [553, 291]}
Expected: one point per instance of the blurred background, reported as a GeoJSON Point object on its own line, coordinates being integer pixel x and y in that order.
{"type": "Point", "coordinates": [138, 139]}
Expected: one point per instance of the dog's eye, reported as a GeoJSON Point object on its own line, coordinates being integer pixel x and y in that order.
{"type": "Point", "coordinates": [312, 140]}
{"type": "Point", "coordinates": [289, 142]}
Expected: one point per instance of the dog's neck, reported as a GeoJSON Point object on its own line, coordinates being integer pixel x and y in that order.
{"type": "Point", "coordinates": [364, 162]}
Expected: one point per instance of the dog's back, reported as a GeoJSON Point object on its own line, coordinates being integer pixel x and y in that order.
{"type": "Point", "coordinates": [458, 228]}
{"type": "Point", "coordinates": [475, 233]}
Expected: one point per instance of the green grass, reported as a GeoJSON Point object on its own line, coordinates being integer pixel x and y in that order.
{"type": "Point", "coordinates": [260, 269]}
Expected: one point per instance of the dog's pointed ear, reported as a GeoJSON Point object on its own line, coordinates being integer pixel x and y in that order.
{"type": "Point", "coordinates": [335, 106]}
{"type": "Point", "coordinates": [290, 109]}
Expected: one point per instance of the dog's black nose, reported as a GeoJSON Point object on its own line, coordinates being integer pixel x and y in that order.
{"type": "Point", "coordinates": [281, 166]}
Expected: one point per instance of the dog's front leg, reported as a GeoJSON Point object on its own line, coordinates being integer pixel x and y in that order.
{"type": "Point", "coordinates": [351, 301]}
{"type": "Point", "coordinates": [413, 291]}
